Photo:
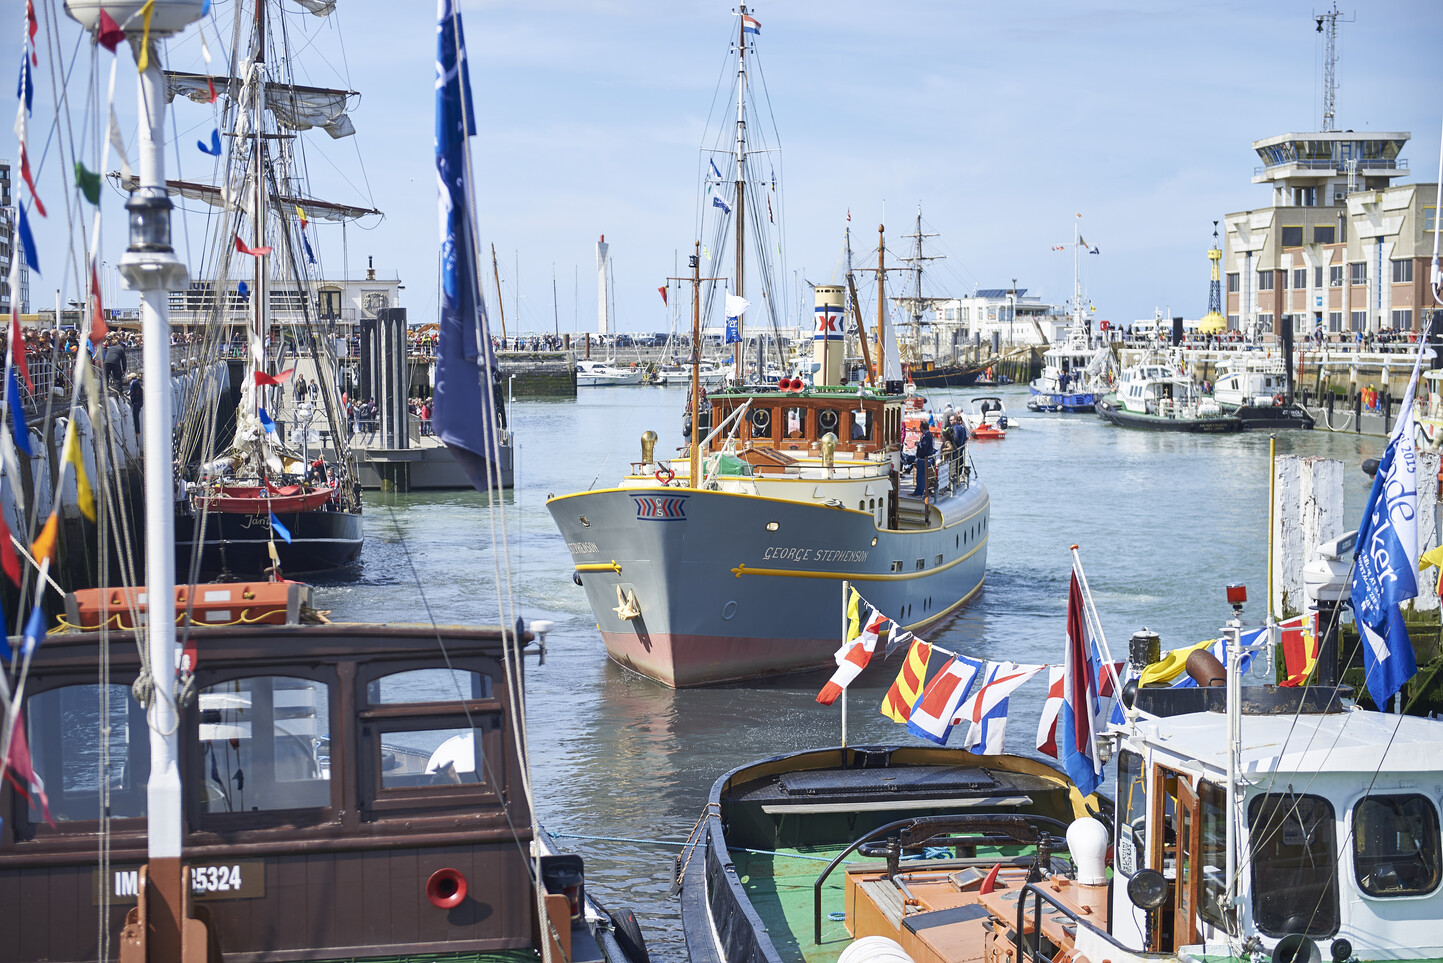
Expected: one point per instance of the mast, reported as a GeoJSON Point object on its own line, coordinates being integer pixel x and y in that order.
{"type": "Point", "coordinates": [1077, 274]}
{"type": "Point", "coordinates": [881, 300]}
{"type": "Point", "coordinates": [555, 316]}
{"type": "Point", "coordinates": [695, 446]}
{"type": "Point", "coordinates": [857, 312]}
{"type": "Point", "coordinates": [496, 274]}
{"type": "Point", "coordinates": [739, 349]}
{"type": "Point", "coordinates": [917, 260]}
{"type": "Point", "coordinates": [260, 296]}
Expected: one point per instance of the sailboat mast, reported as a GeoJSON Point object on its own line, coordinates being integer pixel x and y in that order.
{"type": "Point", "coordinates": [857, 312]}
{"type": "Point", "coordinates": [695, 459]}
{"type": "Point", "coordinates": [881, 300]}
{"type": "Point", "coordinates": [1076, 274]}
{"type": "Point", "coordinates": [259, 295]}
{"type": "Point", "coordinates": [496, 275]}
{"type": "Point", "coordinates": [739, 349]}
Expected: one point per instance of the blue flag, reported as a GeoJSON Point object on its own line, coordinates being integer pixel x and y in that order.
{"type": "Point", "coordinates": [279, 529]}
{"type": "Point", "coordinates": [214, 148]}
{"type": "Point", "coordinates": [715, 172]}
{"type": "Point", "coordinates": [465, 403]}
{"type": "Point", "coordinates": [733, 336]}
{"type": "Point", "coordinates": [25, 90]}
{"type": "Point", "coordinates": [1385, 567]}
{"type": "Point", "coordinates": [244, 290]}
{"type": "Point", "coordinates": [34, 631]}
{"type": "Point", "coordinates": [17, 413]}
{"type": "Point", "coordinates": [266, 421]}
{"type": "Point", "coordinates": [310, 256]}
{"type": "Point", "coordinates": [27, 241]}
{"type": "Point", "coordinates": [718, 202]}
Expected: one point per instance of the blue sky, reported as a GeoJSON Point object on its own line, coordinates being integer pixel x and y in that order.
{"type": "Point", "coordinates": [1003, 120]}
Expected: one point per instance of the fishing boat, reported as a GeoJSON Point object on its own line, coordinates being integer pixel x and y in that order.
{"type": "Point", "coordinates": [1156, 396]}
{"type": "Point", "coordinates": [987, 418]}
{"type": "Point", "coordinates": [316, 791]}
{"type": "Point", "coordinates": [1255, 388]}
{"type": "Point", "coordinates": [722, 564]}
{"type": "Point", "coordinates": [230, 520]}
{"type": "Point", "coordinates": [605, 374]}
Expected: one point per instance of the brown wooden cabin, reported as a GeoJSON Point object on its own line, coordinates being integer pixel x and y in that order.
{"type": "Point", "coordinates": [795, 422]}
{"type": "Point", "coordinates": [312, 823]}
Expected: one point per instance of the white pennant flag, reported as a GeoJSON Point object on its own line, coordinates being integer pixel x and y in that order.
{"type": "Point", "coordinates": [986, 710]}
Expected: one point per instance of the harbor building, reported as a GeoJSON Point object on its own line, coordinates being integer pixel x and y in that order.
{"type": "Point", "coordinates": [1015, 316]}
{"type": "Point", "coordinates": [1341, 247]}
{"type": "Point", "coordinates": [8, 249]}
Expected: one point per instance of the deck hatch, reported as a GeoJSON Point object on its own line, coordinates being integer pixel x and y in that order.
{"type": "Point", "coordinates": [945, 917]}
{"type": "Point", "coordinates": [920, 779]}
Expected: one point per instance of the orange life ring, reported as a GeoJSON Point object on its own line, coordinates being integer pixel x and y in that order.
{"type": "Point", "coordinates": [1279, 401]}
{"type": "Point", "coordinates": [664, 470]}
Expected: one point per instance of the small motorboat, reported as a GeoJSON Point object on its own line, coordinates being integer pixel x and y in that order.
{"type": "Point", "coordinates": [987, 418]}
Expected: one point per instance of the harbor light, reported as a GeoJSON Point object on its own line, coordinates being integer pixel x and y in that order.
{"type": "Point", "coordinates": [149, 209]}
{"type": "Point", "coordinates": [1237, 595]}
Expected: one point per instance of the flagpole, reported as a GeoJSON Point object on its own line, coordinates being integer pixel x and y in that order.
{"type": "Point", "coordinates": [846, 593]}
{"type": "Point", "coordinates": [1096, 622]}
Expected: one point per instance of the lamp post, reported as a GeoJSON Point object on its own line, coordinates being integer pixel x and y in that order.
{"type": "Point", "coordinates": [151, 267]}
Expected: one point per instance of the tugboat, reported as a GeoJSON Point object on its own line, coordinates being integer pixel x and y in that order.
{"type": "Point", "coordinates": [1155, 396]}
{"type": "Point", "coordinates": [1255, 389]}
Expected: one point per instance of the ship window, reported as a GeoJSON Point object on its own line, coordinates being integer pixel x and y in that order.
{"type": "Point", "coordinates": [1295, 886]}
{"type": "Point", "coordinates": [794, 422]}
{"type": "Point", "coordinates": [1212, 861]}
{"type": "Point", "coordinates": [1396, 845]}
{"type": "Point", "coordinates": [428, 685]}
{"type": "Point", "coordinates": [921, 564]}
{"type": "Point", "coordinates": [1132, 807]}
{"type": "Point", "coordinates": [432, 757]}
{"type": "Point", "coordinates": [861, 426]}
{"type": "Point", "coordinates": [264, 745]}
{"type": "Point", "coordinates": [938, 561]}
{"type": "Point", "coordinates": [761, 422]}
{"type": "Point", "coordinates": [63, 732]}
{"type": "Point", "coordinates": [827, 420]}
{"type": "Point", "coordinates": [897, 565]}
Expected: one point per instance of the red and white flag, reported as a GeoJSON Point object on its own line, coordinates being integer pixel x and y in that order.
{"type": "Point", "coordinates": [986, 710]}
{"type": "Point", "coordinates": [1047, 724]}
{"type": "Point", "coordinates": [853, 656]}
{"type": "Point", "coordinates": [932, 716]}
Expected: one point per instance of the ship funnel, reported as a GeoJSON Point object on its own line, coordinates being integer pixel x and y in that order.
{"type": "Point", "coordinates": [829, 335]}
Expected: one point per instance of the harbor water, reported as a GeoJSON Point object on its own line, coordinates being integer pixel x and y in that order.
{"type": "Point", "coordinates": [622, 766]}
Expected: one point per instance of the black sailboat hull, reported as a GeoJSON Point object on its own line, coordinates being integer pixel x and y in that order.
{"type": "Point", "coordinates": [235, 545]}
{"type": "Point", "coordinates": [928, 375]}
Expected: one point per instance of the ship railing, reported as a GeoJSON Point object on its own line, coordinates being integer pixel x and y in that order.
{"type": "Point", "coordinates": [1028, 934]}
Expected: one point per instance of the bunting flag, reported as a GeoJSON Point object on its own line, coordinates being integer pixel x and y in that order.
{"type": "Point", "coordinates": [9, 560]}
{"type": "Point", "coordinates": [281, 530]}
{"type": "Point", "coordinates": [29, 179]}
{"type": "Point", "coordinates": [117, 143]}
{"type": "Point", "coordinates": [1047, 723]}
{"type": "Point", "coordinates": [769, 210]}
{"type": "Point", "coordinates": [98, 328]}
{"type": "Point", "coordinates": [306, 242]}
{"type": "Point", "coordinates": [662, 291]}
{"type": "Point", "coordinates": [34, 632]}
{"type": "Point", "coordinates": [31, 27]}
{"type": "Point", "coordinates": [274, 380]}
{"type": "Point", "coordinates": [17, 358]}
{"type": "Point", "coordinates": [1219, 650]}
{"type": "Point", "coordinates": [1300, 649]}
{"type": "Point", "coordinates": [1094, 251]}
{"type": "Point", "coordinates": [1434, 557]}
{"type": "Point", "coordinates": [108, 34]}
{"type": "Point", "coordinates": [21, 772]}
{"type": "Point", "coordinates": [705, 253]}
{"type": "Point", "coordinates": [718, 202]}
{"type": "Point", "coordinates": [252, 251]}
{"type": "Point", "coordinates": [857, 651]}
{"type": "Point", "coordinates": [243, 289]}
{"type": "Point", "coordinates": [714, 170]}
{"type": "Point", "coordinates": [70, 452]}
{"type": "Point", "coordinates": [1172, 665]}
{"type": "Point", "coordinates": [144, 60]}
{"type": "Point", "coordinates": [88, 182]}
{"type": "Point", "coordinates": [27, 241]}
{"type": "Point", "coordinates": [302, 215]}
{"type": "Point", "coordinates": [17, 412]}
{"type": "Point", "coordinates": [213, 148]}
{"type": "Point", "coordinates": [44, 545]}
{"type": "Point", "coordinates": [25, 91]}
{"type": "Point", "coordinates": [907, 688]}
{"type": "Point", "coordinates": [932, 715]}
{"type": "Point", "coordinates": [266, 422]}
{"type": "Point", "coordinates": [986, 710]}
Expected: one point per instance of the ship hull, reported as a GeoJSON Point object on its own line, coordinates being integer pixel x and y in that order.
{"type": "Point", "coordinates": [235, 546]}
{"type": "Point", "coordinates": [732, 586]}
{"type": "Point", "coordinates": [1076, 401]}
{"type": "Point", "coordinates": [1131, 419]}
{"type": "Point", "coordinates": [945, 376]}
{"type": "Point", "coordinates": [1270, 417]}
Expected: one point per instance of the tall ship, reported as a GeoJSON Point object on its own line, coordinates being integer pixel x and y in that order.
{"type": "Point", "coordinates": [724, 563]}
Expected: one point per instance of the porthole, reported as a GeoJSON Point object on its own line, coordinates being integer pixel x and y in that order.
{"type": "Point", "coordinates": [827, 419]}
{"type": "Point", "coordinates": [772, 526]}
{"type": "Point", "coordinates": [874, 541]}
{"type": "Point", "coordinates": [585, 523]}
{"type": "Point", "coordinates": [761, 421]}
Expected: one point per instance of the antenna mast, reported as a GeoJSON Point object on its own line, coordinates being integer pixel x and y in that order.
{"type": "Point", "coordinates": [1328, 27]}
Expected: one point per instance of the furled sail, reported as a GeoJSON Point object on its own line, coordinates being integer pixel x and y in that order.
{"type": "Point", "coordinates": [321, 8]}
{"type": "Point", "coordinates": [294, 107]}
{"type": "Point", "coordinates": [214, 196]}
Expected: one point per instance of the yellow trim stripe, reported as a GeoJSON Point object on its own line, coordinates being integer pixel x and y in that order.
{"type": "Point", "coordinates": [742, 569]}
{"type": "Point", "coordinates": [611, 566]}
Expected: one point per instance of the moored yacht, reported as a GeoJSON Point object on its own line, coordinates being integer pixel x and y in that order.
{"type": "Point", "coordinates": [1074, 375]}
{"type": "Point", "coordinates": [1155, 395]}
{"type": "Point", "coordinates": [604, 374]}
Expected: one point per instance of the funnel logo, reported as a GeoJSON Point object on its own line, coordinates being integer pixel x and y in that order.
{"type": "Point", "coordinates": [661, 508]}
{"type": "Point", "coordinates": [829, 323]}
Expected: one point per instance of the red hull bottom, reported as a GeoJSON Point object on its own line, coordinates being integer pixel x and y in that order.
{"type": "Point", "coordinates": [681, 660]}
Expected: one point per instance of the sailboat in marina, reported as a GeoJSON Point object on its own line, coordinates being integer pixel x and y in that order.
{"type": "Point", "coordinates": [258, 502]}
{"type": "Point", "coordinates": [929, 360]}
{"type": "Point", "coordinates": [723, 563]}
{"type": "Point", "coordinates": [317, 791]}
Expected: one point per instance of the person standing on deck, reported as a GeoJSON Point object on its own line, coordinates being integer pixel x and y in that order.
{"type": "Point", "coordinates": [136, 397]}
{"type": "Point", "coordinates": [925, 449]}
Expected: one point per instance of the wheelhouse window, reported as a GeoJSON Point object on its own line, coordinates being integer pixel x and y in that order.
{"type": "Point", "coordinates": [761, 419]}
{"type": "Point", "coordinates": [1213, 861]}
{"type": "Point", "coordinates": [794, 423]}
{"type": "Point", "coordinates": [861, 425]}
{"type": "Point", "coordinates": [1132, 810]}
{"type": "Point", "coordinates": [264, 745]}
{"type": "Point", "coordinates": [78, 766]}
{"type": "Point", "coordinates": [1396, 845]}
{"type": "Point", "coordinates": [429, 734]}
{"type": "Point", "coordinates": [828, 420]}
{"type": "Point", "coordinates": [1295, 859]}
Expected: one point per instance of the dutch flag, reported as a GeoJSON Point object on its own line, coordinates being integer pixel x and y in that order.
{"type": "Point", "coordinates": [750, 25]}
